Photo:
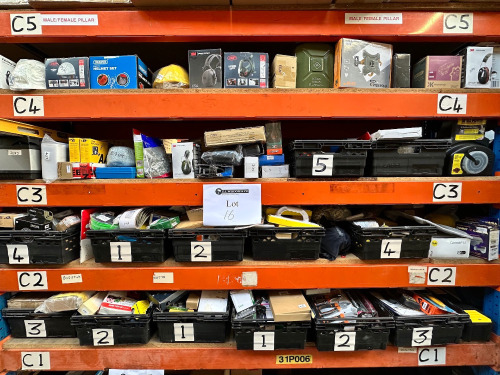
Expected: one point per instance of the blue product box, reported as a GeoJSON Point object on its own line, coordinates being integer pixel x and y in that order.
{"type": "Point", "coordinates": [271, 160]}
{"type": "Point", "coordinates": [115, 172]}
{"type": "Point", "coordinates": [119, 72]}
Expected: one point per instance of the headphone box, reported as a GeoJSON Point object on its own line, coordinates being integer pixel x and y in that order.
{"type": "Point", "coordinates": [362, 64]}
{"type": "Point", "coordinates": [185, 159]}
{"type": "Point", "coordinates": [437, 72]}
{"type": "Point", "coordinates": [6, 67]}
{"type": "Point", "coordinates": [205, 68]}
{"type": "Point", "coordinates": [476, 67]}
{"type": "Point", "coordinates": [246, 70]}
{"type": "Point", "coordinates": [67, 73]}
{"type": "Point", "coordinates": [119, 72]}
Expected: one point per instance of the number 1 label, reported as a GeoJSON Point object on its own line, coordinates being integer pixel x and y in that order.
{"type": "Point", "coordinates": [201, 251]}
{"type": "Point", "coordinates": [184, 332]}
{"type": "Point", "coordinates": [120, 251]}
{"type": "Point", "coordinates": [263, 341]}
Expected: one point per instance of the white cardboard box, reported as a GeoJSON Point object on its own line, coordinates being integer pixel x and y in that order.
{"type": "Point", "coordinates": [251, 167]}
{"type": "Point", "coordinates": [6, 67]}
{"type": "Point", "coordinates": [476, 67]}
{"type": "Point", "coordinates": [449, 247]}
{"type": "Point", "coordinates": [275, 171]}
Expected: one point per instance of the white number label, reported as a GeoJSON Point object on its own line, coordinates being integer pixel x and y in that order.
{"type": "Point", "coordinates": [18, 254]}
{"type": "Point", "coordinates": [322, 165]}
{"type": "Point", "coordinates": [35, 328]}
{"type": "Point", "coordinates": [32, 280]}
{"type": "Point", "coordinates": [421, 336]}
{"type": "Point", "coordinates": [183, 332]}
{"type": "Point", "coordinates": [201, 251]}
{"type": "Point", "coordinates": [449, 192]}
{"type": "Point", "coordinates": [391, 249]}
{"type": "Point", "coordinates": [263, 341]}
{"type": "Point", "coordinates": [441, 275]}
{"type": "Point", "coordinates": [452, 104]}
{"type": "Point", "coordinates": [35, 360]}
{"type": "Point", "coordinates": [431, 356]}
{"type": "Point", "coordinates": [31, 194]}
{"type": "Point", "coordinates": [28, 106]}
{"type": "Point", "coordinates": [344, 341]}
{"type": "Point", "coordinates": [458, 23]}
{"type": "Point", "coordinates": [25, 23]}
{"type": "Point", "coordinates": [103, 337]}
{"type": "Point", "coordinates": [120, 251]}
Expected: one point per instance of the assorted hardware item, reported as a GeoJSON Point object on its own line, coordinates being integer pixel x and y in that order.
{"type": "Point", "coordinates": [438, 72]}
{"type": "Point", "coordinates": [284, 72]}
{"type": "Point", "coordinates": [205, 68]}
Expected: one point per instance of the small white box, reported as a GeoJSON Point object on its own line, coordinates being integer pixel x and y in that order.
{"type": "Point", "coordinates": [476, 67]}
{"type": "Point", "coordinates": [275, 171]}
{"type": "Point", "coordinates": [6, 68]}
{"type": "Point", "coordinates": [449, 247]}
{"type": "Point", "coordinates": [183, 159]}
{"type": "Point", "coordinates": [251, 167]}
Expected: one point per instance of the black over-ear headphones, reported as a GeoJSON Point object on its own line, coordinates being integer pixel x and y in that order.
{"type": "Point", "coordinates": [210, 74]}
{"type": "Point", "coordinates": [246, 66]}
{"type": "Point", "coordinates": [483, 74]}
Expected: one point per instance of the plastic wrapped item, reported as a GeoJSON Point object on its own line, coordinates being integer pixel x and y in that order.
{"type": "Point", "coordinates": [27, 75]}
{"type": "Point", "coordinates": [171, 77]}
{"type": "Point", "coordinates": [64, 302]}
{"type": "Point", "coordinates": [120, 156]}
{"type": "Point", "coordinates": [336, 240]}
{"type": "Point", "coordinates": [53, 152]}
{"type": "Point", "coordinates": [156, 162]}
{"type": "Point", "coordinates": [104, 221]}
{"type": "Point", "coordinates": [224, 157]}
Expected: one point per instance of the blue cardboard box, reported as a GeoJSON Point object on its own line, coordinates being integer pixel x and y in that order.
{"type": "Point", "coordinates": [119, 72]}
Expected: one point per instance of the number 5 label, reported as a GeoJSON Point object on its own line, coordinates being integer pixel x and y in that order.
{"type": "Point", "coordinates": [322, 165]}
{"type": "Point", "coordinates": [263, 341]}
{"type": "Point", "coordinates": [201, 251]}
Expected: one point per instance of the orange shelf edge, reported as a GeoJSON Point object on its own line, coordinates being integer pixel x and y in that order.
{"type": "Point", "coordinates": [168, 192]}
{"type": "Point", "coordinates": [250, 103]}
{"type": "Point", "coordinates": [213, 356]}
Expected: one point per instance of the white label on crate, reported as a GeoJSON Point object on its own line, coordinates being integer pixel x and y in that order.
{"type": "Point", "coordinates": [431, 356]}
{"type": "Point", "coordinates": [18, 254]}
{"type": "Point", "coordinates": [452, 104]}
{"type": "Point", "coordinates": [25, 24]}
{"type": "Point", "coordinates": [28, 106]}
{"type": "Point", "coordinates": [70, 20]}
{"type": "Point", "coordinates": [374, 18]}
{"type": "Point", "coordinates": [421, 336]}
{"type": "Point", "coordinates": [344, 341]}
{"type": "Point", "coordinates": [391, 249]}
{"type": "Point", "coordinates": [458, 23]}
{"type": "Point", "coordinates": [103, 337]}
{"type": "Point", "coordinates": [263, 341]}
{"type": "Point", "coordinates": [417, 274]}
{"type": "Point", "coordinates": [184, 332]}
{"type": "Point", "coordinates": [120, 251]}
{"type": "Point", "coordinates": [163, 278]}
{"type": "Point", "coordinates": [249, 278]}
{"type": "Point", "coordinates": [35, 360]}
{"type": "Point", "coordinates": [441, 276]}
{"type": "Point", "coordinates": [35, 328]}
{"type": "Point", "coordinates": [73, 278]}
{"type": "Point", "coordinates": [447, 192]}
{"type": "Point", "coordinates": [14, 152]}
{"type": "Point", "coordinates": [201, 251]}
{"type": "Point", "coordinates": [32, 280]}
{"type": "Point", "coordinates": [402, 350]}
{"type": "Point", "coordinates": [31, 195]}
{"type": "Point", "coordinates": [322, 165]}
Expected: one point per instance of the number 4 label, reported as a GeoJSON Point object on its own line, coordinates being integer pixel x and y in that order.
{"type": "Point", "coordinates": [452, 104]}
{"type": "Point", "coordinates": [391, 249]}
{"type": "Point", "coordinates": [28, 106]}
{"type": "Point", "coordinates": [18, 254]}
{"type": "Point", "coordinates": [422, 336]}
{"type": "Point", "coordinates": [263, 341]}
{"type": "Point", "coordinates": [201, 251]}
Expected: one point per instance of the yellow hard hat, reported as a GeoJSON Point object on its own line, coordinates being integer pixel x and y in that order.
{"type": "Point", "coordinates": [171, 76]}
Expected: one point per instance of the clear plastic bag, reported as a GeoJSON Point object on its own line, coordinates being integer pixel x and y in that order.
{"type": "Point", "coordinates": [28, 75]}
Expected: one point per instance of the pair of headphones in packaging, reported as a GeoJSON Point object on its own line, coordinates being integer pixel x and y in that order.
{"type": "Point", "coordinates": [246, 67]}
{"type": "Point", "coordinates": [211, 75]}
{"type": "Point", "coordinates": [483, 74]}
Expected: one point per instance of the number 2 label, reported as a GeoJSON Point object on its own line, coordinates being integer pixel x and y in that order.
{"type": "Point", "coordinates": [201, 251]}
{"type": "Point", "coordinates": [344, 341]}
{"type": "Point", "coordinates": [103, 337]}
{"type": "Point", "coordinates": [263, 341]}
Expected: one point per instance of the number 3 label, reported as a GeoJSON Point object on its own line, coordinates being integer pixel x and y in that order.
{"type": "Point", "coordinates": [201, 251]}
{"type": "Point", "coordinates": [35, 328]}
{"type": "Point", "coordinates": [120, 251]}
{"type": "Point", "coordinates": [344, 341]}
{"type": "Point", "coordinates": [322, 165]}
{"type": "Point", "coordinates": [31, 195]}
{"type": "Point", "coordinates": [263, 341]}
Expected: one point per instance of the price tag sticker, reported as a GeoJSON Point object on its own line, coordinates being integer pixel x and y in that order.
{"type": "Point", "coordinates": [452, 104]}
{"type": "Point", "coordinates": [184, 332]}
{"type": "Point", "coordinates": [293, 359]}
{"type": "Point", "coordinates": [18, 254]}
{"type": "Point", "coordinates": [344, 341]}
{"type": "Point", "coordinates": [103, 337]}
{"type": "Point", "coordinates": [35, 361]}
{"type": "Point", "coordinates": [74, 278]}
{"type": "Point", "coordinates": [458, 23]}
{"type": "Point", "coordinates": [32, 280]}
{"type": "Point", "coordinates": [121, 251]}
{"type": "Point", "coordinates": [391, 249]}
{"type": "Point", "coordinates": [432, 356]}
{"type": "Point", "coordinates": [31, 195]}
{"type": "Point", "coordinates": [201, 251]}
{"type": "Point", "coordinates": [322, 165]}
{"type": "Point", "coordinates": [28, 106]}
{"type": "Point", "coordinates": [442, 276]}
{"type": "Point", "coordinates": [447, 192]}
{"type": "Point", "coordinates": [422, 336]}
{"type": "Point", "coordinates": [26, 24]}
{"type": "Point", "coordinates": [249, 278]}
{"type": "Point", "coordinates": [35, 328]}
{"type": "Point", "coordinates": [263, 341]}
{"type": "Point", "coordinates": [163, 278]}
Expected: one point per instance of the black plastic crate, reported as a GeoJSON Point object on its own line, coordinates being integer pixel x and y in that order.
{"type": "Point", "coordinates": [346, 157]}
{"type": "Point", "coordinates": [26, 323]}
{"type": "Point", "coordinates": [192, 326]}
{"type": "Point", "coordinates": [130, 245]}
{"type": "Point", "coordinates": [382, 242]}
{"type": "Point", "coordinates": [266, 334]}
{"type": "Point", "coordinates": [99, 330]}
{"type": "Point", "coordinates": [423, 157]}
{"type": "Point", "coordinates": [286, 243]}
{"type": "Point", "coordinates": [41, 247]}
{"type": "Point", "coordinates": [207, 244]}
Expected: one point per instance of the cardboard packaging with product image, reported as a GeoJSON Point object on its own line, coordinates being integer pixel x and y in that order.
{"type": "Point", "coordinates": [67, 73]}
{"type": "Point", "coordinates": [246, 70]}
{"type": "Point", "coordinates": [205, 68]}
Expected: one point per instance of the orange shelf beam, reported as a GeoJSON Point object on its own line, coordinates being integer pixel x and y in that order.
{"type": "Point", "coordinates": [250, 103]}
{"type": "Point", "coordinates": [223, 356]}
{"type": "Point", "coordinates": [233, 25]}
{"type": "Point", "coordinates": [347, 272]}
{"type": "Point", "coordinates": [168, 192]}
